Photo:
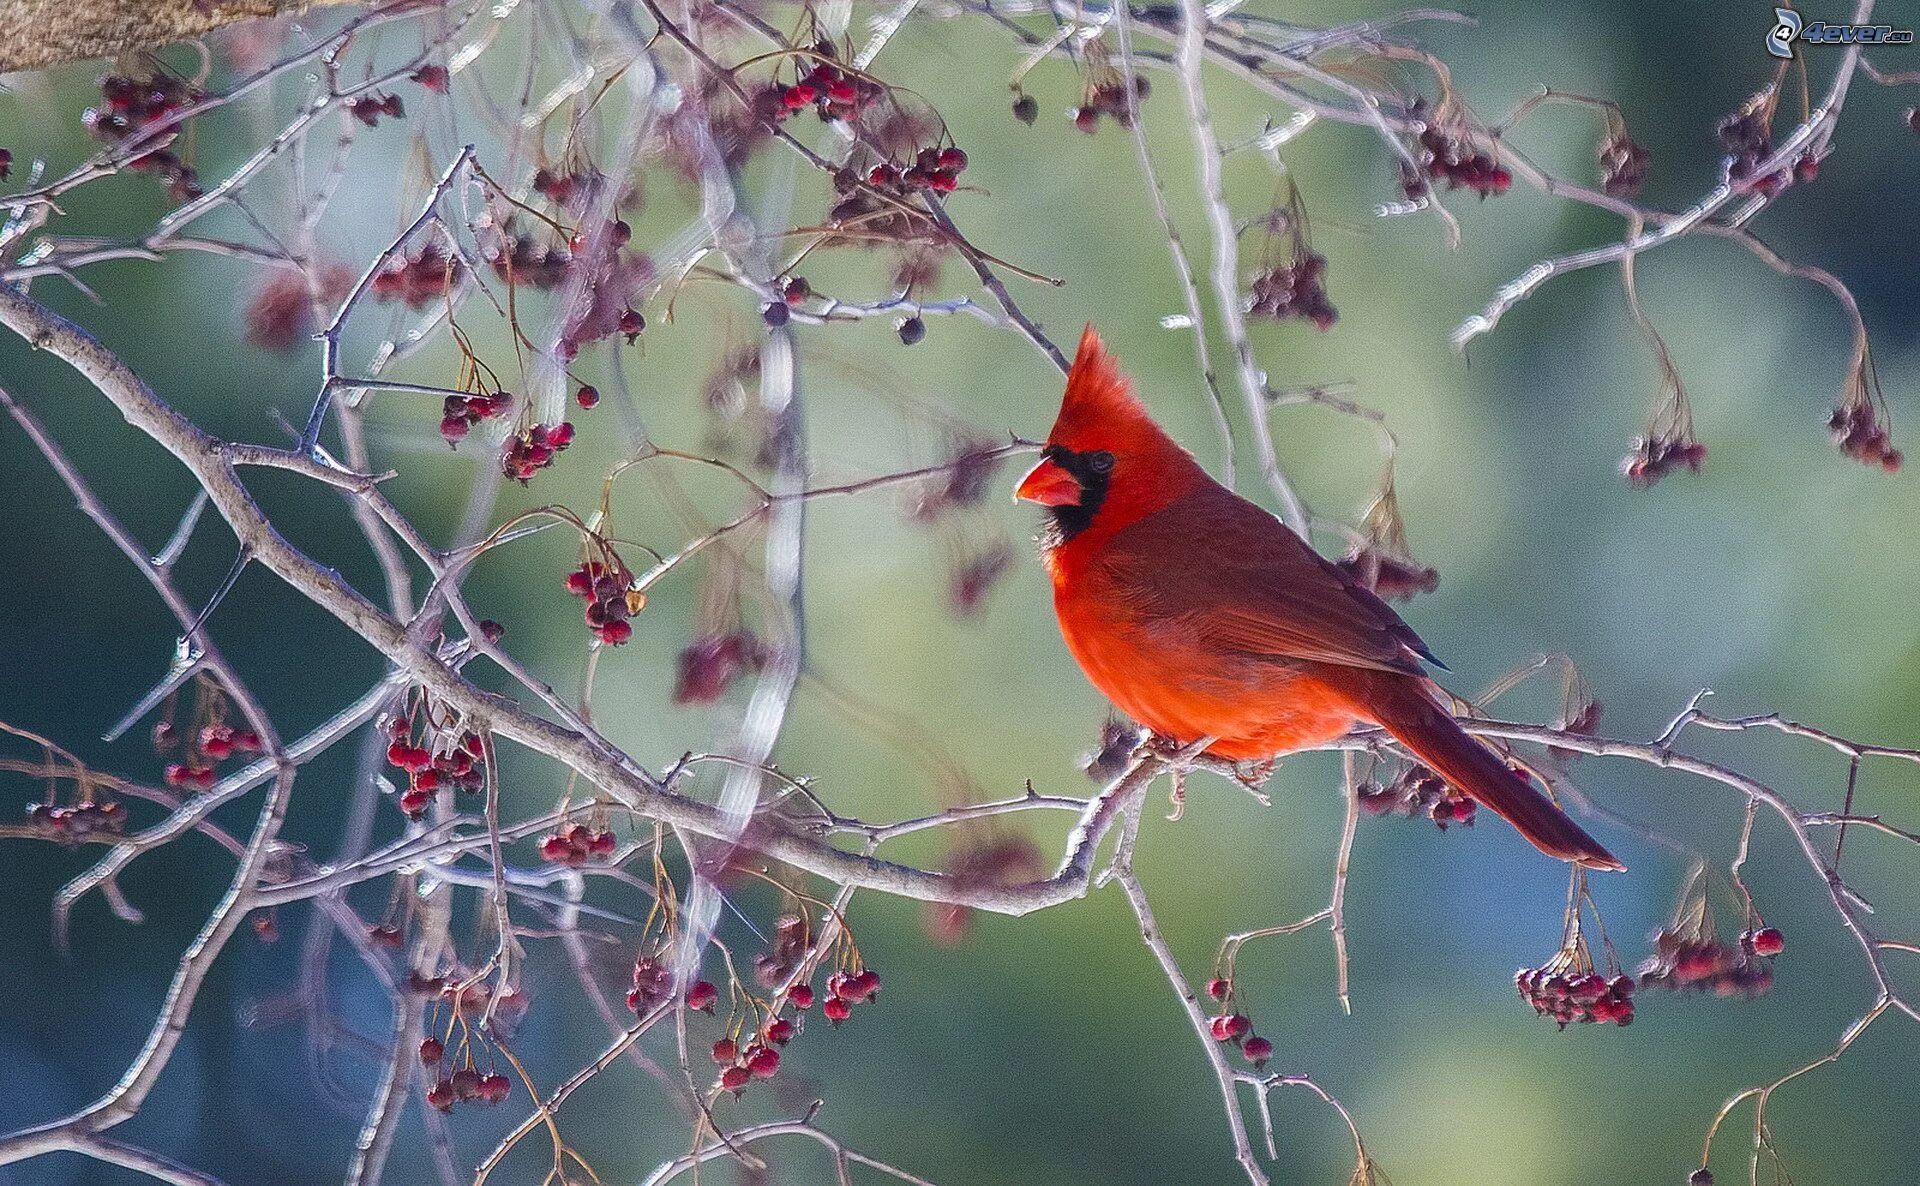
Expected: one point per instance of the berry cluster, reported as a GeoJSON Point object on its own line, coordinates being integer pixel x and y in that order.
{"type": "Point", "coordinates": [1567, 994]}
{"type": "Point", "coordinates": [1296, 289]}
{"type": "Point", "coordinates": [576, 845]}
{"type": "Point", "coordinates": [1623, 165]}
{"type": "Point", "coordinates": [369, 108]}
{"type": "Point", "coordinates": [1417, 790]}
{"type": "Point", "coordinates": [134, 105]}
{"type": "Point", "coordinates": [709, 664]}
{"type": "Point", "coordinates": [1859, 433]}
{"type": "Point", "coordinates": [607, 588]}
{"type": "Point", "coordinates": [1231, 1025]}
{"type": "Point", "coordinates": [652, 985]}
{"type": "Point", "coordinates": [1443, 156]}
{"type": "Point", "coordinates": [935, 169]}
{"type": "Point", "coordinates": [460, 413]}
{"type": "Point", "coordinates": [561, 188]}
{"type": "Point", "coordinates": [1747, 136]}
{"type": "Point", "coordinates": [832, 92]}
{"type": "Point", "coordinates": [614, 279]}
{"type": "Point", "coordinates": [533, 449]}
{"type": "Point", "coordinates": [1653, 457]}
{"type": "Point", "coordinates": [417, 279]}
{"type": "Point", "coordinates": [519, 259]}
{"type": "Point", "coordinates": [847, 989]}
{"type": "Point", "coordinates": [464, 1085]}
{"type": "Point", "coordinates": [1108, 98]}
{"type": "Point", "coordinates": [72, 823]}
{"type": "Point", "coordinates": [201, 750]}
{"type": "Point", "coordinates": [1687, 959]}
{"type": "Point", "coordinates": [438, 759]}
{"type": "Point", "coordinates": [1391, 577]}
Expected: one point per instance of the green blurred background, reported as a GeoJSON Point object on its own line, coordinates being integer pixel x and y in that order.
{"type": "Point", "coordinates": [1049, 1050]}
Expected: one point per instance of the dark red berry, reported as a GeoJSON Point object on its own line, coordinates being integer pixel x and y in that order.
{"type": "Point", "coordinates": [1257, 1051]}
{"type": "Point", "coordinates": [724, 1051]}
{"type": "Point", "coordinates": [431, 1050]}
{"type": "Point", "coordinates": [588, 396]}
{"type": "Point", "coordinates": [1218, 988]}
{"type": "Point", "coordinates": [763, 1061]}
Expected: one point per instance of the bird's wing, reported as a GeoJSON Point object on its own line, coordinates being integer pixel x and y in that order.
{"type": "Point", "coordinates": [1237, 577]}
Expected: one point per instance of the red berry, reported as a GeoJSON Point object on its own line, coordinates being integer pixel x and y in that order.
{"type": "Point", "coordinates": [1765, 941]}
{"type": "Point", "coordinates": [1257, 1051]}
{"type": "Point", "coordinates": [780, 1031]}
{"type": "Point", "coordinates": [952, 160]}
{"type": "Point", "coordinates": [801, 995]}
{"type": "Point", "coordinates": [734, 1078]}
{"type": "Point", "coordinates": [1218, 988]}
{"type": "Point", "coordinates": [431, 1050]}
{"type": "Point", "coordinates": [701, 995]}
{"type": "Point", "coordinates": [466, 1083]}
{"type": "Point", "coordinates": [495, 1088]}
{"type": "Point", "coordinates": [724, 1051]}
{"type": "Point", "coordinates": [763, 1061]}
{"type": "Point", "coordinates": [837, 1009]}
{"type": "Point", "coordinates": [440, 1095]}
{"type": "Point", "coordinates": [588, 396]}
{"type": "Point", "coordinates": [396, 754]}
{"type": "Point", "coordinates": [615, 633]}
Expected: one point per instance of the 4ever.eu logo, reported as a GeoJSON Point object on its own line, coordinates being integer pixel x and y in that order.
{"type": "Point", "coordinates": [1789, 27]}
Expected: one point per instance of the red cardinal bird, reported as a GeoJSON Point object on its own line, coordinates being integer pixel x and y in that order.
{"type": "Point", "coordinates": [1201, 615]}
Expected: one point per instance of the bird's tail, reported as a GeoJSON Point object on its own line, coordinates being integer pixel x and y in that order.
{"type": "Point", "coordinates": [1405, 708]}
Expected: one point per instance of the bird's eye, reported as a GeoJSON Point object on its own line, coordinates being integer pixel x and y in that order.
{"type": "Point", "coordinates": [1101, 462]}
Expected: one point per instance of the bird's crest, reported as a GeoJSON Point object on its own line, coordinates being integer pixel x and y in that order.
{"type": "Point", "coordinates": [1099, 410]}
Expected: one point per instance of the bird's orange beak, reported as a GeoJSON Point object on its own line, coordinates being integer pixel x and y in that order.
{"type": "Point", "coordinates": [1048, 484]}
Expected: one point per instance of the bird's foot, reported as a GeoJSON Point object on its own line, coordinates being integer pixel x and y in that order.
{"type": "Point", "coordinates": [1253, 774]}
{"type": "Point", "coordinates": [1177, 796]}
